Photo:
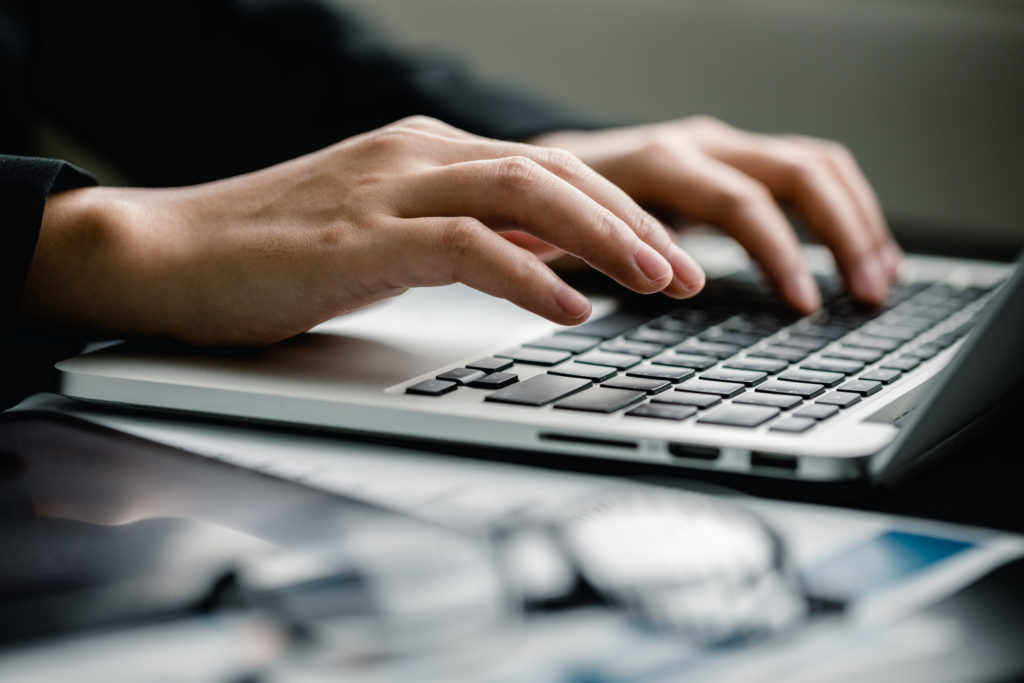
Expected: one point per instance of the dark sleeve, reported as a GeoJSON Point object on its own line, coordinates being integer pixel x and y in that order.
{"type": "Point", "coordinates": [181, 91]}
{"type": "Point", "coordinates": [25, 183]}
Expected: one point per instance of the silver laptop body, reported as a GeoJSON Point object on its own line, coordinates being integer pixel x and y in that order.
{"type": "Point", "coordinates": [354, 373]}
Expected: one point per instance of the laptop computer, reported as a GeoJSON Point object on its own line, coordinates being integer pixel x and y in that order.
{"type": "Point", "coordinates": [730, 381]}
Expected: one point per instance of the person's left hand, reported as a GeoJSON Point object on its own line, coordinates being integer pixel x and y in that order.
{"type": "Point", "coordinates": [708, 171]}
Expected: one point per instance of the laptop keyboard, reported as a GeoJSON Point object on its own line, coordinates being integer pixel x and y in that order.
{"type": "Point", "coordinates": [734, 356]}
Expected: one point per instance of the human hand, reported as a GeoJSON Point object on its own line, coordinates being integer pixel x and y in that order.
{"type": "Point", "coordinates": [263, 256]}
{"type": "Point", "coordinates": [706, 170]}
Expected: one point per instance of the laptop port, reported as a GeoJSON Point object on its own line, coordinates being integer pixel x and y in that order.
{"type": "Point", "coordinates": [587, 441]}
{"type": "Point", "coordinates": [693, 452]}
{"type": "Point", "coordinates": [775, 461]}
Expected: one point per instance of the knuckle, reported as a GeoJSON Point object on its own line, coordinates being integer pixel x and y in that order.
{"type": "Point", "coordinates": [518, 173]}
{"type": "Point", "coordinates": [742, 197]}
{"type": "Point", "coordinates": [418, 121]}
{"type": "Point", "coordinates": [459, 239]}
{"type": "Point", "coordinates": [563, 162]}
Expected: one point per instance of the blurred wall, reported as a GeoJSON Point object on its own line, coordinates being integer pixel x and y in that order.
{"type": "Point", "coordinates": [929, 94]}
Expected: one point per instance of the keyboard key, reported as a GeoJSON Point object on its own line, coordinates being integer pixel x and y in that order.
{"type": "Point", "coordinates": [642, 349]}
{"type": "Point", "coordinates": [431, 387]}
{"type": "Point", "coordinates": [706, 386]}
{"type": "Point", "coordinates": [830, 332]}
{"type": "Point", "coordinates": [747, 377]}
{"type": "Point", "coordinates": [687, 398]}
{"type": "Point", "coordinates": [828, 379]}
{"type": "Point", "coordinates": [883, 375]}
{"type": "Point", "coordinates": [685, 360]}
{"type": "Point", "coordinates": [802, 389]}
{"type": "Point", "coordinates": [862, 387]}
{"type": "Point", "coordinates": [672, 374]}
{"type": "Point", "coordinates": [574, 343]}
{"type": "Point", "coordinates": [490, 364]}
{"type": "Point", "coordinates": [620, 361]}
{"type": "Point", "coordinates": [924, 351]}
{"type": "Point", "coordinates": [903, 363]}
{"type": "Point", "coordinates": [739, 416]}
{"type": "Point", "coordinates": [799, 341]}
{"type": "Point", "coordinates": [793, 425]}
{"type": "Point", "coordinates": [712, 349]}
{"type": "Point", "coordinates": [855, 353]}
{"type": "Point", "coordinates": [866, 341]}
{"type": "Point", "coordinates": [903, 333]}
{"type": "Point", "coordinates": [769, 365]}
{"type": "Point", "coordinates": [662, 337]}
{"type": "Point", "coordinates": [786, 353]}
{"type": "Point", "coordinates": [741, 339]}
{"type": "Point", "coordinates": [495, 380]}
{"type": "Point", "coordinates": [648, 386]}
{"type": "Point", "coordinates": [663, 411]}
{"type": "Point", "coordinates": [757, 398]}
{"type": "Point", "coordinates": [847, 367]}
{"type": "Point", "coordinates": [600, 400]}
{"type": "Point", "coordinates": [539, 390]}
{"type": "Point", "coordinates": [536, 356]}
{"type": "Point", "coordinates": [843, 399]}
{"type": "Point", "coordinates": [610, 326]}
{"type": "Point", "coordinates": [598, 373]}
{"type": "Point", "coordinates": [817, 411]}
{"type": "Point", "coordinates": [461, 375]}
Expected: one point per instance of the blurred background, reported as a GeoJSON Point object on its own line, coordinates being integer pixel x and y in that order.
{"type": "Point", "coordinates": [929, 94]}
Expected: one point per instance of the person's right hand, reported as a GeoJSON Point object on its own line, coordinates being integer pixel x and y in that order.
{"type": "Point", "coordinates": [260, 257]}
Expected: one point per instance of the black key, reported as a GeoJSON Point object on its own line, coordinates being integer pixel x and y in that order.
{"type": "Point", "coordinates": [600, 400]}
{"type": "Point", "coordinates": [611, 325]}
{"type": "Point", "coordinates": [862, 387]}
{"type": "Point", "coordinates": [648, 386]}
{"type": "Point", "coordinates": [817, 411]}
{"type": "Point", "coordinates": [830, 332]}
{"type": "Point", "coordinates": [924, 351]}
{"type": "Point", "coordinates": [739, 416]}
{"type": "Point", "coordinates": [828, 379]}
{"type": "Point", "coordinates": [539, 390]}
{"type": "Point", "coordinates": [883, 375]}
{"type": "Point", "coordinates": [706, 386]}
{"type": "Point", "coordinates": [847, 367]}
{"type": "Point", "coordinates": [903, 333]}
{"type": "Point", "coordinates": [431, 387]}
{"type": "Point", "coordinates": [536, 356]}
{"type": "Point", "coordinates": [672, 374]}
{"type": "Point", "coordinates": [769, 365]}
{"type": "Point", "coordinates": [802, 389]}
{"type": "Point", "coordinates": [574, 343]}
{"type": "Point", "coordinates": [495, 380]}
{"type": "Point", "coordinates": [903, 363]}
{"type": "Point", "coordinates": [747, 377]}
{"type": "Point", "coordinates": [670, 324]}
{"type": "Point", "coordinates": [660, 337]}
{"type": "Point", "coordinates": [461, 375]}
{"type": "Point", "coordinates": [757, 398]}
{"type": "Point", "coordinates": [612, 360]}
{"type": "Point", "coordinates": [720, 336]}
{"type": "Point", "coordinates": [709, 349]}
{"type": "Point", "coordinates": [843, 399]}
{"type": "Point", "coordinates": [799, 341]}
{"type": "Point", "coordinates": [663, 411]}
{"type": "Point", "coordinates": [852, 353]}
{"type": "Point", "coordinates": [686, 360]}
{"type": "Point", "coordinates": [635, 348]}
{"type": "Point", "coordinates": [597, 373]}
{"type": "Point", "coordinates": [866, 341]}
{"type": "Point", "coordinates": [490, 364]}
{"type": "Point", "coordinates": [687, 398]}
{"type": "Point", "coordinates": [786, 353]}
{"type": "Point", "coordinates": [793, 425]}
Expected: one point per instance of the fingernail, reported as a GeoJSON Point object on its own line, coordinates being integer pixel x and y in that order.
{"type": "Point", "coordinates": [650, 262]}
{"type": "Point", "coordinates": [688, 273]}
{"type": "Point", "coordinates": [868, 281]}
{"type": "Point", "coordinates": [572, 302]}
{"type": "Point", "coordinates": [802, 291]}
